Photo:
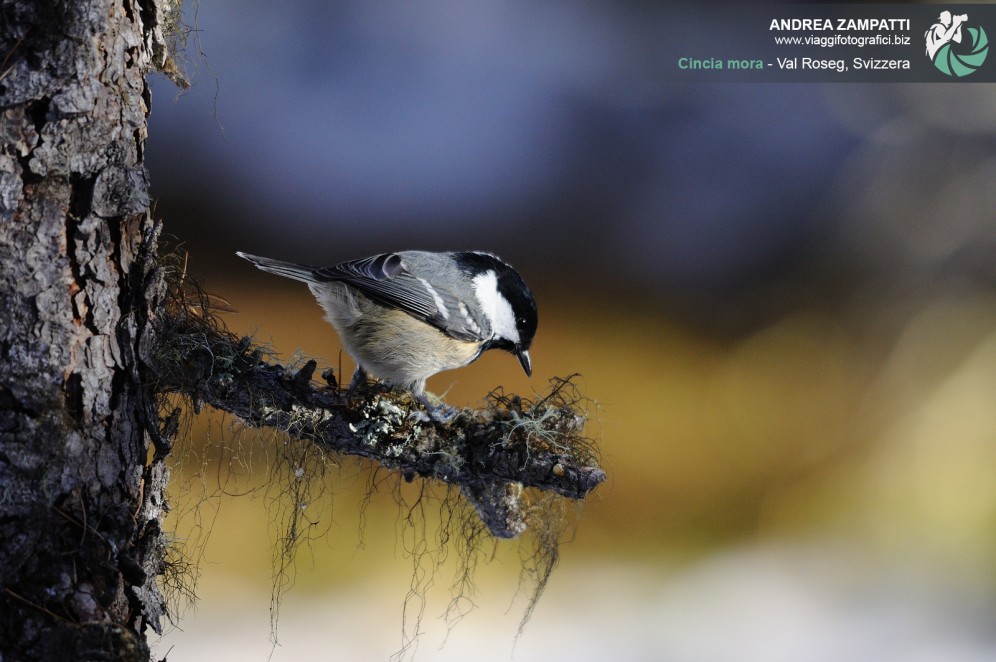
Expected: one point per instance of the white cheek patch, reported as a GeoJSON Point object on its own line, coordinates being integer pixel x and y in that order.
{"type": "Point", "coordinates": [497, 309]}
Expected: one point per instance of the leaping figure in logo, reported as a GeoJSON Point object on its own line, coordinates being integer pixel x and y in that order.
{"type": "Point", "coordinates": [946, 30]}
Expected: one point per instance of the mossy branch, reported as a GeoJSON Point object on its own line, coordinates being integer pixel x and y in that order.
{"type": "Point", "coordinates": [490, 453]}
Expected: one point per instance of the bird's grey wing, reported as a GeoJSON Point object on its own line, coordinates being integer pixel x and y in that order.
{"type": "Point", "coordinates": [386, 280]}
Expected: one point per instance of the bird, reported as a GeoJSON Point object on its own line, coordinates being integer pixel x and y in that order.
{"type": "Point", "coordinates": [408, 315]}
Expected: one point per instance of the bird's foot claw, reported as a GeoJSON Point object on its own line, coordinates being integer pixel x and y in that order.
{"type": "Point", "coordinates": [361, 384]}
{"type": "Point", "coordinates": [437, 412]}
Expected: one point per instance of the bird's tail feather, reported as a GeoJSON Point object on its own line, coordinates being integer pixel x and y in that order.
{"type": "Point", "coordinates": [301, 272]}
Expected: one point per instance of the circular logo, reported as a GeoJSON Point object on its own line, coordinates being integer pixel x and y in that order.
{"type": "Point", "coordinates": [956, 52]}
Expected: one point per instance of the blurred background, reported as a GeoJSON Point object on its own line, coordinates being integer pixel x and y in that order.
{"type": "Point", "coordinates": [782, 300]}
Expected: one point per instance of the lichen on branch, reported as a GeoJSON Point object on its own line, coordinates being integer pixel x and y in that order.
{"type": "Point", "coordinates": [490, 453]}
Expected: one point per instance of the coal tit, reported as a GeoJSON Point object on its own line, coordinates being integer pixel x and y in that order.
{"type": "Point", "coordinates": [406, 316]}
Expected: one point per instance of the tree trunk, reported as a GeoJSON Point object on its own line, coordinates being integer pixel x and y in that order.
{"type": "Point", "coordinates": [80, 498]}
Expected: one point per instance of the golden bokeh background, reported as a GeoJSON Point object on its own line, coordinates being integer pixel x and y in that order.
{"type": "Point", "coordinates": [801, 444]}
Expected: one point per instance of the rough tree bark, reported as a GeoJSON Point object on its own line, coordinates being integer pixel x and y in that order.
{"type": "Point", "coordinates": [91, 334]}
{"type": "Point", "coordinates": [80, 543]}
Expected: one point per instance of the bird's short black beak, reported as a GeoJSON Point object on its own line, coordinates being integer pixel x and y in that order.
{"type": "Point", "coordinates": [525, 361]}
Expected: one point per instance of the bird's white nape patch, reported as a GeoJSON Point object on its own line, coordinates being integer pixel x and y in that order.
{"type": "Point", "coordinates": [495, 306]}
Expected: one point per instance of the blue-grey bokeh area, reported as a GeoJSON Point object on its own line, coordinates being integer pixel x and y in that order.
{"type": "Point", "coordinates": [542, 131]}
{"type": "Point", "coordinates": [783, 297]}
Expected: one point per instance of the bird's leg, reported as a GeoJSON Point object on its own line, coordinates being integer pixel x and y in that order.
{"type": "Point", "coordinates": [359, 379]}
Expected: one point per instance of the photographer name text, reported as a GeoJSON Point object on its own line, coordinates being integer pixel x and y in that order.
{"type": "Point", "coordinates": [840, 24]}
